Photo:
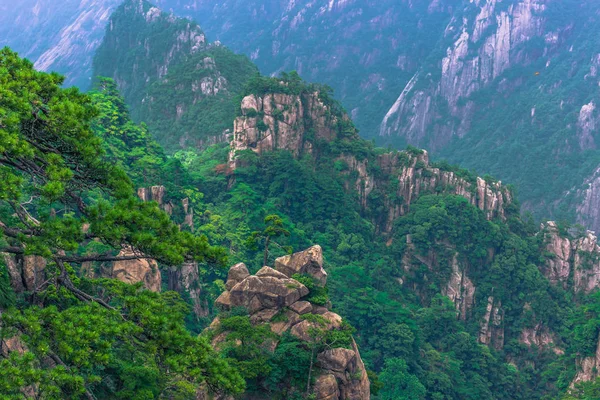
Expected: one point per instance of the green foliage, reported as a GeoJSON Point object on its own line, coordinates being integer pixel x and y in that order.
{"type": "Point", "coordinates": [7, 294]}
{"type": "Point", "coordinates": [398, 383]}
{"type": "Point", "coordinates": [193, 101]}
{"type": "Point", "coordinates": [584, 391]}
{"type": "Point", "coordinates": [61, 192]}
{"type": "Point", "coordinates": [140, 350]}
{"type": "Point", "coordinates": [318, 294]}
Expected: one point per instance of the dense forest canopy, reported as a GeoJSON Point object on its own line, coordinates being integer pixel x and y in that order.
{"type": "Point", "coordinates": [444, 287]}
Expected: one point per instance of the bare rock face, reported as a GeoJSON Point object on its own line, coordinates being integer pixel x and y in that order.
{"type": "Point", "coordinates": [588, 367]}
{"type": "Point", "coordinates": [134, 271]}
{"type": "Point", "coordinates": [189, 278]}
{"type": "Point", "coordinates": [268, 289]}
{"type": "Point", "coordinates": [557, 268]}
{"type": "Point", "coordinates": [479, 50]}
{"type": "Point", "coordinates": [326, 387]}
{"type": "Point", "coordinates": [588, 209]}
{"type": "Point", "coordinates": [271, 292]}
{"type": "Point", "coordinates": [277, 121]}
{"type": "Point", "coordinates": [26, 272]}
{"type": "Point", "coordinates": [237, 273]}
{"type": "Point", "coordinates": [16, 279]}
{"type": "Point", "coordinates": [415, 177]}
{"type": "Point", "coordinates": [491, 330]}
{"type": "Point", "coordinates": [539, 336]}
{"type": "Point", "coordinates": [577, 258]}
{"type": "Point", "coordinates": [460, 290]}
{"type": "Point", "coordinates": [309, 262]}
{"type": "Point", "coordinates": [157, 194]}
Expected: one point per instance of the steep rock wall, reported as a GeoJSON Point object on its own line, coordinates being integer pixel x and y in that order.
{"type": "Point", "coordinates": [574, 263]}
{"type": "Point", "coordinates": [297, 122]}
{"type": "Point", "coordinates": [481, 47]}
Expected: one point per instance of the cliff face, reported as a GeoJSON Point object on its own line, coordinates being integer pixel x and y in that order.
{"type": "Point", "coordinates": [135, 27]}
{"type": "Point", "coordinates": [510, 91]}
{"type": "Point", "coordinates": [483, 43]}
{"type": "Point", "coordinates": [574, 263]}
{"type": "Point", "coordinates": [57, 35]}
{"type": "Point", "coordinates": [281, 122]}
{"type": "Point", "coordinates": [366, 50]}
{"type": "Point", "coordinates": [185, 278]}
{"type": "Point", "coordinates": [274, 298]}
{"type": "Point", "coordinates": [27, 273]}
{"type": "Point", "coordinates": [296, 123]}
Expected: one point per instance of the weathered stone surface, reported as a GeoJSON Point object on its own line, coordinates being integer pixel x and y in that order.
{"type": "Point", "coordinates": [588, 367]}
{"type": "Point", "coordinates": [33, 271]}
{"type": "Point", "coordinates": [303, 329]}
{"type": "Point", "coordinates": [272, 298]}
{"type": "Point", "coordinates": [260, 292]}
{"type": "Point", "coordinates": [578, 258]}
{"type": "Point", "coordinates": [336, 359]}
{"type": "Point", "coordinates": [224, 300]}
{"type": "Point", "coordinates": [479, 51]}
{"type": "Point", "coordinates": [189, 277]}
{"type": "Point", "coordinates": [491, 330]}
{"type": "Point", "coordinates": [539, 336]}
{"type": "Point", "coordinates": [460, 290]}
{"type": "Point", "coordinates": [283, 118]}
{"type": "Point", "coordinates": [134, 271]}
{"type": "Point", "coordinates": [415, 176]}
{"type": "Point", "coordinates": [268, 271]}
{"type": "Point", "coordinates": [301, 307]}
{"type": "Point", "coordinates": [289, 319]}
{"type": "Point", "coordinates": [263, 315]}
{"type": "Point", "coordinates": [308, 262]}
{"type": "Point", "coordinates": [12, 344]}
{"type": "Point", "coordinates": [16, 279]}
{"type": "Point", "coordinates": [326, 388]}
{"type": "Point", "coordinates": [237, 273]}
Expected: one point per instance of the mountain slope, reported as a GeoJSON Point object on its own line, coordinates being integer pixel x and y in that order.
{"type": "Point", "coordinates": [513, 94]}
{"type": "Point", "coordinates": [57, 35]}
{"type": "Point", "coordinates": [507, 88]}
{"type": "Point", "coordinates": [176, 82]}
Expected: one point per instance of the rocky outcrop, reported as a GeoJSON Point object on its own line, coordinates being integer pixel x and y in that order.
{"type": "Point", "coordinates": [541, 337]}
{"type": "Point", "coordinates": [308, 262]}
{"type": "Point", "coordinates": [460, 290]}
{"type": "Point", "coordinates": [480, 48]}
{"type": "Point", "coordinates": [341, 374]}
{"type": "Point", "coordinates": [267, 290]}
{"type": "Point", "coordinates": [184, 278]}
{"type": "Point", "coordinates": [586, 126]}
{"type": "Point", "coordinates": [491, 330]}
{"type": "Point", "coordinates": [157, 194]}
{"type": "Point", "coordinates": [415, 176]}
{"type": "Point", "coordinates": [280, 121]}
{"type": "Point", "coordinates": [139, 270]}
{"type": "Point", "coordinates": [588, 368]}
{"type": "Point", "coordinates": [588, 203]}
{"type": "Point", "coordinates": [262, 129]}
{"type": "Point", "coordinates": [157, 56]}
{"type": "Point", "coordinates": [573, 263]}
{"type": "Point", "coordinates": [27, 273]}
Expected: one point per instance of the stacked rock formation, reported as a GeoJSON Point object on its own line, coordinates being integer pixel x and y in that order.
{"type": "Point", "coordinates": [272, 291]}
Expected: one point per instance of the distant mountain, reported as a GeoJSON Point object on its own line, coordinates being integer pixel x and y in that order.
{"type": "Point", "coordinates": [174, 80]}
{"type": "Point", "coordinates": [503, 87]}
{"type": "Point", "coordinates": [58, 35]}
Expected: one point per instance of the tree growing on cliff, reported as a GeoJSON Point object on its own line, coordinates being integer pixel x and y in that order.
{"type": "Point", "coordinates": [59, 198]}
{"type": "Point", "coordinates": [273, 229]}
